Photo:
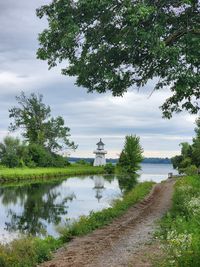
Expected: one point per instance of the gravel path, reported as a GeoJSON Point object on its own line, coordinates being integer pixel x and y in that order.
{"type": "Point", "coordinates": [120, 243]}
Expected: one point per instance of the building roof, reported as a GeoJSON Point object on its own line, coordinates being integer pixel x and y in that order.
{"type": "Point", "coordinates": [100, 143]}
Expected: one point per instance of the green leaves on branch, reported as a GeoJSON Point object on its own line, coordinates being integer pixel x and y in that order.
{"type": "Point", "coordinates": [113, 45]}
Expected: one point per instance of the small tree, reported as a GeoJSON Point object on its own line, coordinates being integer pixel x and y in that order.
{"type": "Point", "coordinates": [131, 155]}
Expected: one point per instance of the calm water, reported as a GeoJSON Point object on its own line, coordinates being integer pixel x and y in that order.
{"type": "Point", "coordinates": [41, 208]}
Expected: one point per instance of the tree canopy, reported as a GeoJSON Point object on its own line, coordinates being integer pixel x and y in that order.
{"type": "Point", "coordinates": [112, 45]}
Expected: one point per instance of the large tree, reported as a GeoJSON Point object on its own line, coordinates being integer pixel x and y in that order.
{"type": "Point", "coordinates": [113, 45]}
{"type": "Point", "coordinates": [33, 117]}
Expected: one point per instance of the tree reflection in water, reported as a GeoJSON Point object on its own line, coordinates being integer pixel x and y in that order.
{"type": "Point", "coordinates": [127, 181]}
{"type": "Point", "coordinates": [40, 204]}
{"type": "Point", "coordinates": [31, 208]}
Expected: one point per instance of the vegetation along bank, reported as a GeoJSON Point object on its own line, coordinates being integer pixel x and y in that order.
{"type": "Point", "coordinates": [14, 174]}
{"type": "Point", "coordinates": [180, 231]}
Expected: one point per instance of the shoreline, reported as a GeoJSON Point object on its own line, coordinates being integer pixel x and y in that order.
{"type": "Point", "coordinates": [19, 174]}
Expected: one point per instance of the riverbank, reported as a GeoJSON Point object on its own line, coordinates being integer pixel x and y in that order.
{"type": "Point", "coordinates": [30, 251]}
{"type": "Point", "coordinates": [17, 174]}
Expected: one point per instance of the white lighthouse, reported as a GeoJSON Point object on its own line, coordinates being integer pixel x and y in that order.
{"type": "Point", "coordinates": [100, 159]}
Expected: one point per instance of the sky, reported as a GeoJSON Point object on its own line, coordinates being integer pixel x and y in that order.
{"type": "Point", "coordinates": [89, 116]}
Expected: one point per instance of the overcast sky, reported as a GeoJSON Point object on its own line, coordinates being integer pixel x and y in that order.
{"type": "Point", "coordinates": [90, 116]}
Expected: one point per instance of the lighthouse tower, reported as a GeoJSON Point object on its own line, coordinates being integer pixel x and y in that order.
{"type": "Point", "coordinates": [100, 159]}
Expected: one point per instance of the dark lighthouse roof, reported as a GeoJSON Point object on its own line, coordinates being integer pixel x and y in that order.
{"type": "Point", "coordinates": [100, 143]}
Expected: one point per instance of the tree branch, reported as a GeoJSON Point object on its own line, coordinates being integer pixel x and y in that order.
{"type": "Point", "coordinates": [178, 34]}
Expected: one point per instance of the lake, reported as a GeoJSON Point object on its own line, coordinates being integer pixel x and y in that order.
{"type": "Point", "coordinates": [41, 208]}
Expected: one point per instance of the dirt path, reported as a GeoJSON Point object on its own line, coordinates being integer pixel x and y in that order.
{"type": "Point", "coordinates": [122, 243]}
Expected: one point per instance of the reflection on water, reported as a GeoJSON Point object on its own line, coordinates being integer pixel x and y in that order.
{"type": "Point", "coordinates": [38, 208]}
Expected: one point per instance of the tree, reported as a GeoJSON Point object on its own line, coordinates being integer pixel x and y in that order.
{"type": "Point", "coordinates": [131, 155]}
{"type": "Point", "coordinates": [33, 117]}
{"type": "Point", "coordinates": [190, 154]}
{"type": "Point", "coordinates": [12, 152]}
{"type": "Point", "coordinates": [196, 145]}
{"type": "Point", "coordinates": [111, 45]}
{"type": "Point", "coordinates": [176, 161]}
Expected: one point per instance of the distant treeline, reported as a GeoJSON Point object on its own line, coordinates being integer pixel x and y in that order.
{"type": "Point", "coordinates": [146, 160]}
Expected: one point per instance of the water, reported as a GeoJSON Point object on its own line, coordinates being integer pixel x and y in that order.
{"type": "Point", "coordinates": [41, 208]}
{"type": "Point", "coordinates": [156, 172]}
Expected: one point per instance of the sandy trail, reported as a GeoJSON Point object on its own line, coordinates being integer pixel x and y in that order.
{"type": "Point", "coordinates": [123, 242]}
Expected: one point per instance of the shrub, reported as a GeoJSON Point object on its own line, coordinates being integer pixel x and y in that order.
{"type": "Point", "coordinates": [12, 152]}
{"type": "Point", "coordinates": [191, 170]}
{"type": "Point", "coordinates": [27, 252]}
{"type": "Point", "coordinates": [109, 168]}
{"type": "Point", "coordinates": [180, 230]}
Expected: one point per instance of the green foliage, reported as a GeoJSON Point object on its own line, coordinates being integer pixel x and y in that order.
{"type": "Point", "coordinates": [34, 118]}
{"type": "Point", "coordinates": [109, 168]}
{"type": "Point", "coordinates": [82, 162]}
{"type": "Point", "coordinates": [12, 152]}
{"type": "Point", "coordinates": [180, 232]}
{"type": "Point", "coordinates": [87, 224]}
{"type": "Point", "coordinates": [131, 155]}
{"type": "Point", "coordinates": [196, 145]}
{"type": "Point", "coordinates": [113, 45]}
{"type": "Point", "coordinates": [176, 160]}
{"type": "Point", "coordinates": [38, 156]}
{"type": "Point", "coordinates": [190, 154]}
{"type": "Point", "coordinates": [27, 252]}
{"type": "Point", "coordinates": [191, 170]}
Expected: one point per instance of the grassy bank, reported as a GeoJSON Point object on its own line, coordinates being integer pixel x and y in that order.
{"type": "Point", "coordinates": [180, 228]}
{"type": "Point", "coordinates": [28, 252]}
{"type": "Point", "coordinates": [15, 174]}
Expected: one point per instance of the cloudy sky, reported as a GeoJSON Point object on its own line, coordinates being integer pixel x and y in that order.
{"type": "Point", "coordinates": [90, 116]}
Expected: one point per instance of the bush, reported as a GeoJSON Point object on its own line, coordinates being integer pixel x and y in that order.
{"type": "Point", "coordinates": [27, 252]}
{"type": "Point", "coordinates": [109, 168]}
{"type": "Point", "coordinates": [41, 157]}
{"type": "Point", "coordinates": [191, 170]}
{"type": "Point", "coordinates": [82, 162]}
{"type": "Point", "coordinates": [59, 161]}
{"type": "Point", "coordinates": [12, 152]}
{"type": "Point", "coordinates": [180, 230]}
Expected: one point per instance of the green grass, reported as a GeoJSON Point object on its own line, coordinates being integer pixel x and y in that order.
{"type": "Point", "coordinates": [16, 174]}
{"type": "Point", "coordinates": [180, 228]}
{"type": "Point", "coordinates": [29, 251]}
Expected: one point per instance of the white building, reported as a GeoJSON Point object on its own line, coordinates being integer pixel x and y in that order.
{"type": "Point", "coordinates": [100, 159]}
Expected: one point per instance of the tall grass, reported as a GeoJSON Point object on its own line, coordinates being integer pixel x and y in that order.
{"type": "Point", "coordinates": [180, 228]}
{"type": "Point", "coordinates": [11, 174]}
{"type": "Point", "coordinates": [29, 251]}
